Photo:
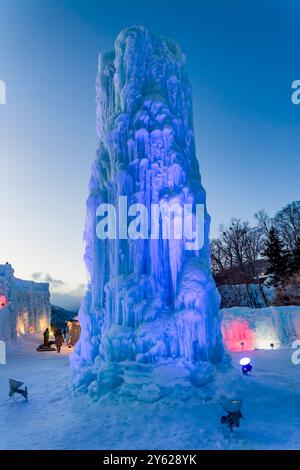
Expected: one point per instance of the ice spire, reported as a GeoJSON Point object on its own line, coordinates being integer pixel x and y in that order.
{"type": "Point", "coordinates": [148, 300]}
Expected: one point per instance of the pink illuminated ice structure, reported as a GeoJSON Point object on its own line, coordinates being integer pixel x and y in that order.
{"type": "Point", "coordinates": [238, 335]}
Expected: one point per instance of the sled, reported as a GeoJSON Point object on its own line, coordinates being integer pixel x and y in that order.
{"type": "Point", "coordinates": [45, 348]}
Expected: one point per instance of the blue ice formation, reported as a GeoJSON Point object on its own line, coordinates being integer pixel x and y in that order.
{"type": "Point", "coordinates": [148, 300]}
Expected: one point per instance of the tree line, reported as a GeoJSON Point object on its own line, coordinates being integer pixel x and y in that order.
{"type": "Point", "coordinates": [268, 251]}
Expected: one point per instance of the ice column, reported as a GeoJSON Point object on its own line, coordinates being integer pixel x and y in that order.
{"type": "Point", "coordinates": [148, 300]}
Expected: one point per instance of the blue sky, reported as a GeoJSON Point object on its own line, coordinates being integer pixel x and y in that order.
{"type": "Point", "coordinates": [242, 58]}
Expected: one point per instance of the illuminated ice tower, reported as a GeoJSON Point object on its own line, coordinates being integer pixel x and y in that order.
{"type": "Point", "coordinates": [148, 300]}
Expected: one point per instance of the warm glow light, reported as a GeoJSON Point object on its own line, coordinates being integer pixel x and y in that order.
{"type": "Point", "coordinates": [20, 328]}
{"type": "Point", "coordinates": [266, 343]}
{"type": "Point", "coordinates": [22, 324]}
{"type": "Point", "coordinates": [43, 324]}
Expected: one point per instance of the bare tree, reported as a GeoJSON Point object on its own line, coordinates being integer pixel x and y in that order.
{"type": "Point", "coordinates": [236, 252]}
{"type": "Point", "coordinates": [287, 222]}
{"type": "Point", "coordinates": [218, 256]}
{"type": "Point", "coordinates": [264, 222]}
{"type": "Point", "coordinates": [254, 249]}
{"type": "Point", "coordinates": [233, 239]}
{"type": "Point", "coordinates": [239, 253]}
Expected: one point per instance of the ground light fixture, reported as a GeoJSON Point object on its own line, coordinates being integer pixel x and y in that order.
{"type": "Point", "coordinates": [16, 390]}
{"type": "Point", "coordinates": [245, 362]}
{"type": "Point", "coordinates": [233, 416]}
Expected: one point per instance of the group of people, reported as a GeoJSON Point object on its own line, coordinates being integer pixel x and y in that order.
{"type": "Point", "coordinates": [58, 339]}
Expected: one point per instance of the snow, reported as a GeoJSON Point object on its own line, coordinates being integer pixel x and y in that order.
{"type": "Point", "coordinates": [259, 328]}
{"type": "Point", "coordinates": [55, 418]}
{"type": "Point", "coordinates": [147, 299]}
{"type": "Point", "coordinates": [28, 308]}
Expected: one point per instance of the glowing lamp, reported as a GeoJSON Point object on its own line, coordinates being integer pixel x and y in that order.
{"type": "Point", "coordinates": [245, 361]}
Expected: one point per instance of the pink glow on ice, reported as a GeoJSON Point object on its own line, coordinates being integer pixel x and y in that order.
{"type": "Point", "coordinates": [236, 332]}
{"type": "Point", "coordinates": [3, 301]}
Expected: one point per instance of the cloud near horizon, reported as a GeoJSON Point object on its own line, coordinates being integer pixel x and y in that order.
{"type": "Point", "coordinates": [40, 276]}
{"type": "Point", "coordinates": [69, 300]}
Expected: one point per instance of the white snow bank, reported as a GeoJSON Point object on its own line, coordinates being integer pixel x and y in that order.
{"type": "Point", "coordinates": [259, 328]}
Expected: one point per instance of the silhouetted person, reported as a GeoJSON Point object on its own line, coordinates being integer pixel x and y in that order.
{"type": "Point", "coordinates": [46, 337]}
{"type": "Point", "coordinates": [59, 340]}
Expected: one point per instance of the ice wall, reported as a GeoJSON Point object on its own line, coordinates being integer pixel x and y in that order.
{"type": "Point", "coordinates": [247, 295]}
{"type": "Point", "coordinates": [259, 328]}
{"type": "Point", "coordinates": [27, 305]}
{"type": "Point", "coordinates": [7, 324]}
{"type": "Point", "coordinates": [148, 300]}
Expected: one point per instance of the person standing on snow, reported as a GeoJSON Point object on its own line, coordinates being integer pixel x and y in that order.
{"type": "Point", "coordinates": [59, 340]}
{"type": "Point", "coordinates": [46, 335]}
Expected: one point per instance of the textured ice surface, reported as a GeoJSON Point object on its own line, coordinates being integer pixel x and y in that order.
{"type": "Point", "coordinates": [28, 307]}
{"type": "Point", "coordinates": [6, 325]}
{"type": "Point", "coordinates": [258, 328]}
{"type": "Point", "coordinates": [247, 295]}
{"type": "Point", "coordinates": [148, 300]}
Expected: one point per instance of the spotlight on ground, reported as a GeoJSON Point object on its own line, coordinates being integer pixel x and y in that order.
{"type": "Point", "coordinates": [245, 362]}
{"type": "Point", "coordinates": [233, 410]}
{"type": "Point", "coordinates": [15, 389]}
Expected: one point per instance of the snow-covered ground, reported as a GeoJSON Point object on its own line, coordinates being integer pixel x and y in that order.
{"type": "Point", "coordinates": [55, 419]}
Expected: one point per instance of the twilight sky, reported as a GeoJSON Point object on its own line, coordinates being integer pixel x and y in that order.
{"type": "Point", "coordinates": [242, 57]}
